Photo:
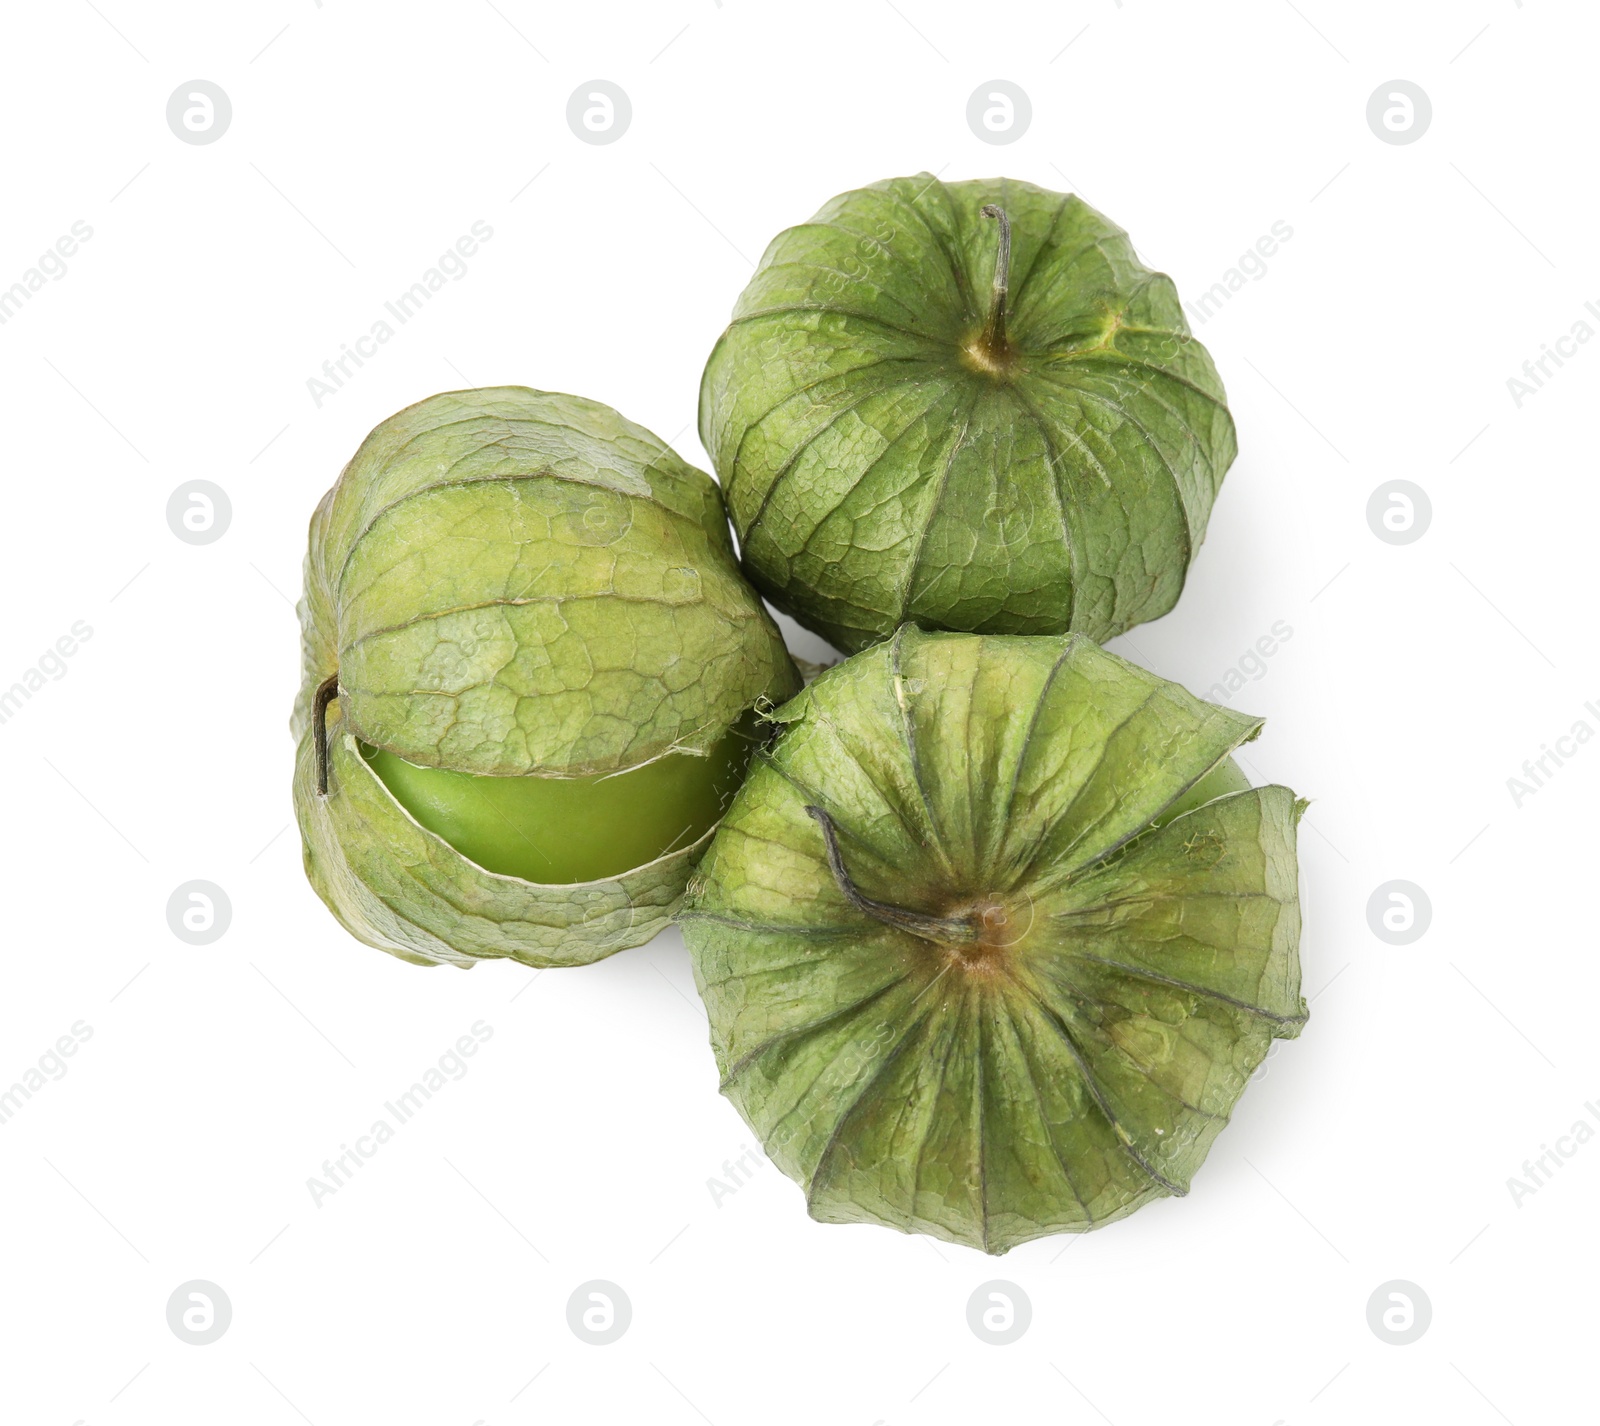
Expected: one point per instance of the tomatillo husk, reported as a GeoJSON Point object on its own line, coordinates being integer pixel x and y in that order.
{"type": "Point", "coordinates": [967, 406]}
{"type": "Point", "coordinates": [967, 973]}
{"type": "Point", "coordinates": [528, 588]}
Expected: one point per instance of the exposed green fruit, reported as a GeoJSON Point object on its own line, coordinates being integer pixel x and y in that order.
{"type": "Point", "coordinates": [568, 829]}
{"type": "Point", "coordinates": [985, 954]}
{"type": "Point", "coordinates": [1227, 776]}
{"type": "Point", "coordinates": [968, 406]}
{"type": "Point", "coordinates": [527, 588]}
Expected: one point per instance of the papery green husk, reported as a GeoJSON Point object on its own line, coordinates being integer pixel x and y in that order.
{"type": "Point", "coordinates": [514, 583]}
{"type": "Point", "coordinates": [877, 472]}
{"type": "Point", "coordinates": [395, 885]}
{"type": "Point", "coordinates": [1084, 1068]}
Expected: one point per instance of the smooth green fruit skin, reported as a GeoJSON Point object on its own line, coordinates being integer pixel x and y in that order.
{"type": "Point", "coordinates": [880, 469]}
{"type": "Point", "coordinates": [1128, 951]}
{"type": "Point", "coordinates": [1226, 777]}
{"type": "Point", "coordinates": [395, 885]}
{"type": "Point", "coordinates": [573, 829]}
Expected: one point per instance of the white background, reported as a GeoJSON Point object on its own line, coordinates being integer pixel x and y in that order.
{"type": "Point", "coordinates": [365, 139]}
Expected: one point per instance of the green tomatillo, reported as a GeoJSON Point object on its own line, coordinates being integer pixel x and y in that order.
{"type": "Point", "coordinates": [968, 406]}
{"type": "Point", "coordinates": [570, 829]}
{"type": "Point", "coordinates": [530, 670]}
{"type": "Point", "coordinates": [994, 936]}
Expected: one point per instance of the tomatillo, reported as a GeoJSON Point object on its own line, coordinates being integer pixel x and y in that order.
{"type": "Point", "coordinates": [530, 669]}
{"type": "Point", "coordinates": [994, 937]}
{"type": "Point", "coordinates": [561, 830]}
{"type": "Point", "coordinates": [967, 406]}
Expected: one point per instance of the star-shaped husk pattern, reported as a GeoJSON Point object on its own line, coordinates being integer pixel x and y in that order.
{"type": "Point", "coordinates": [965, 405]}
{"type": "Point", "coordinates": [959, 980]}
